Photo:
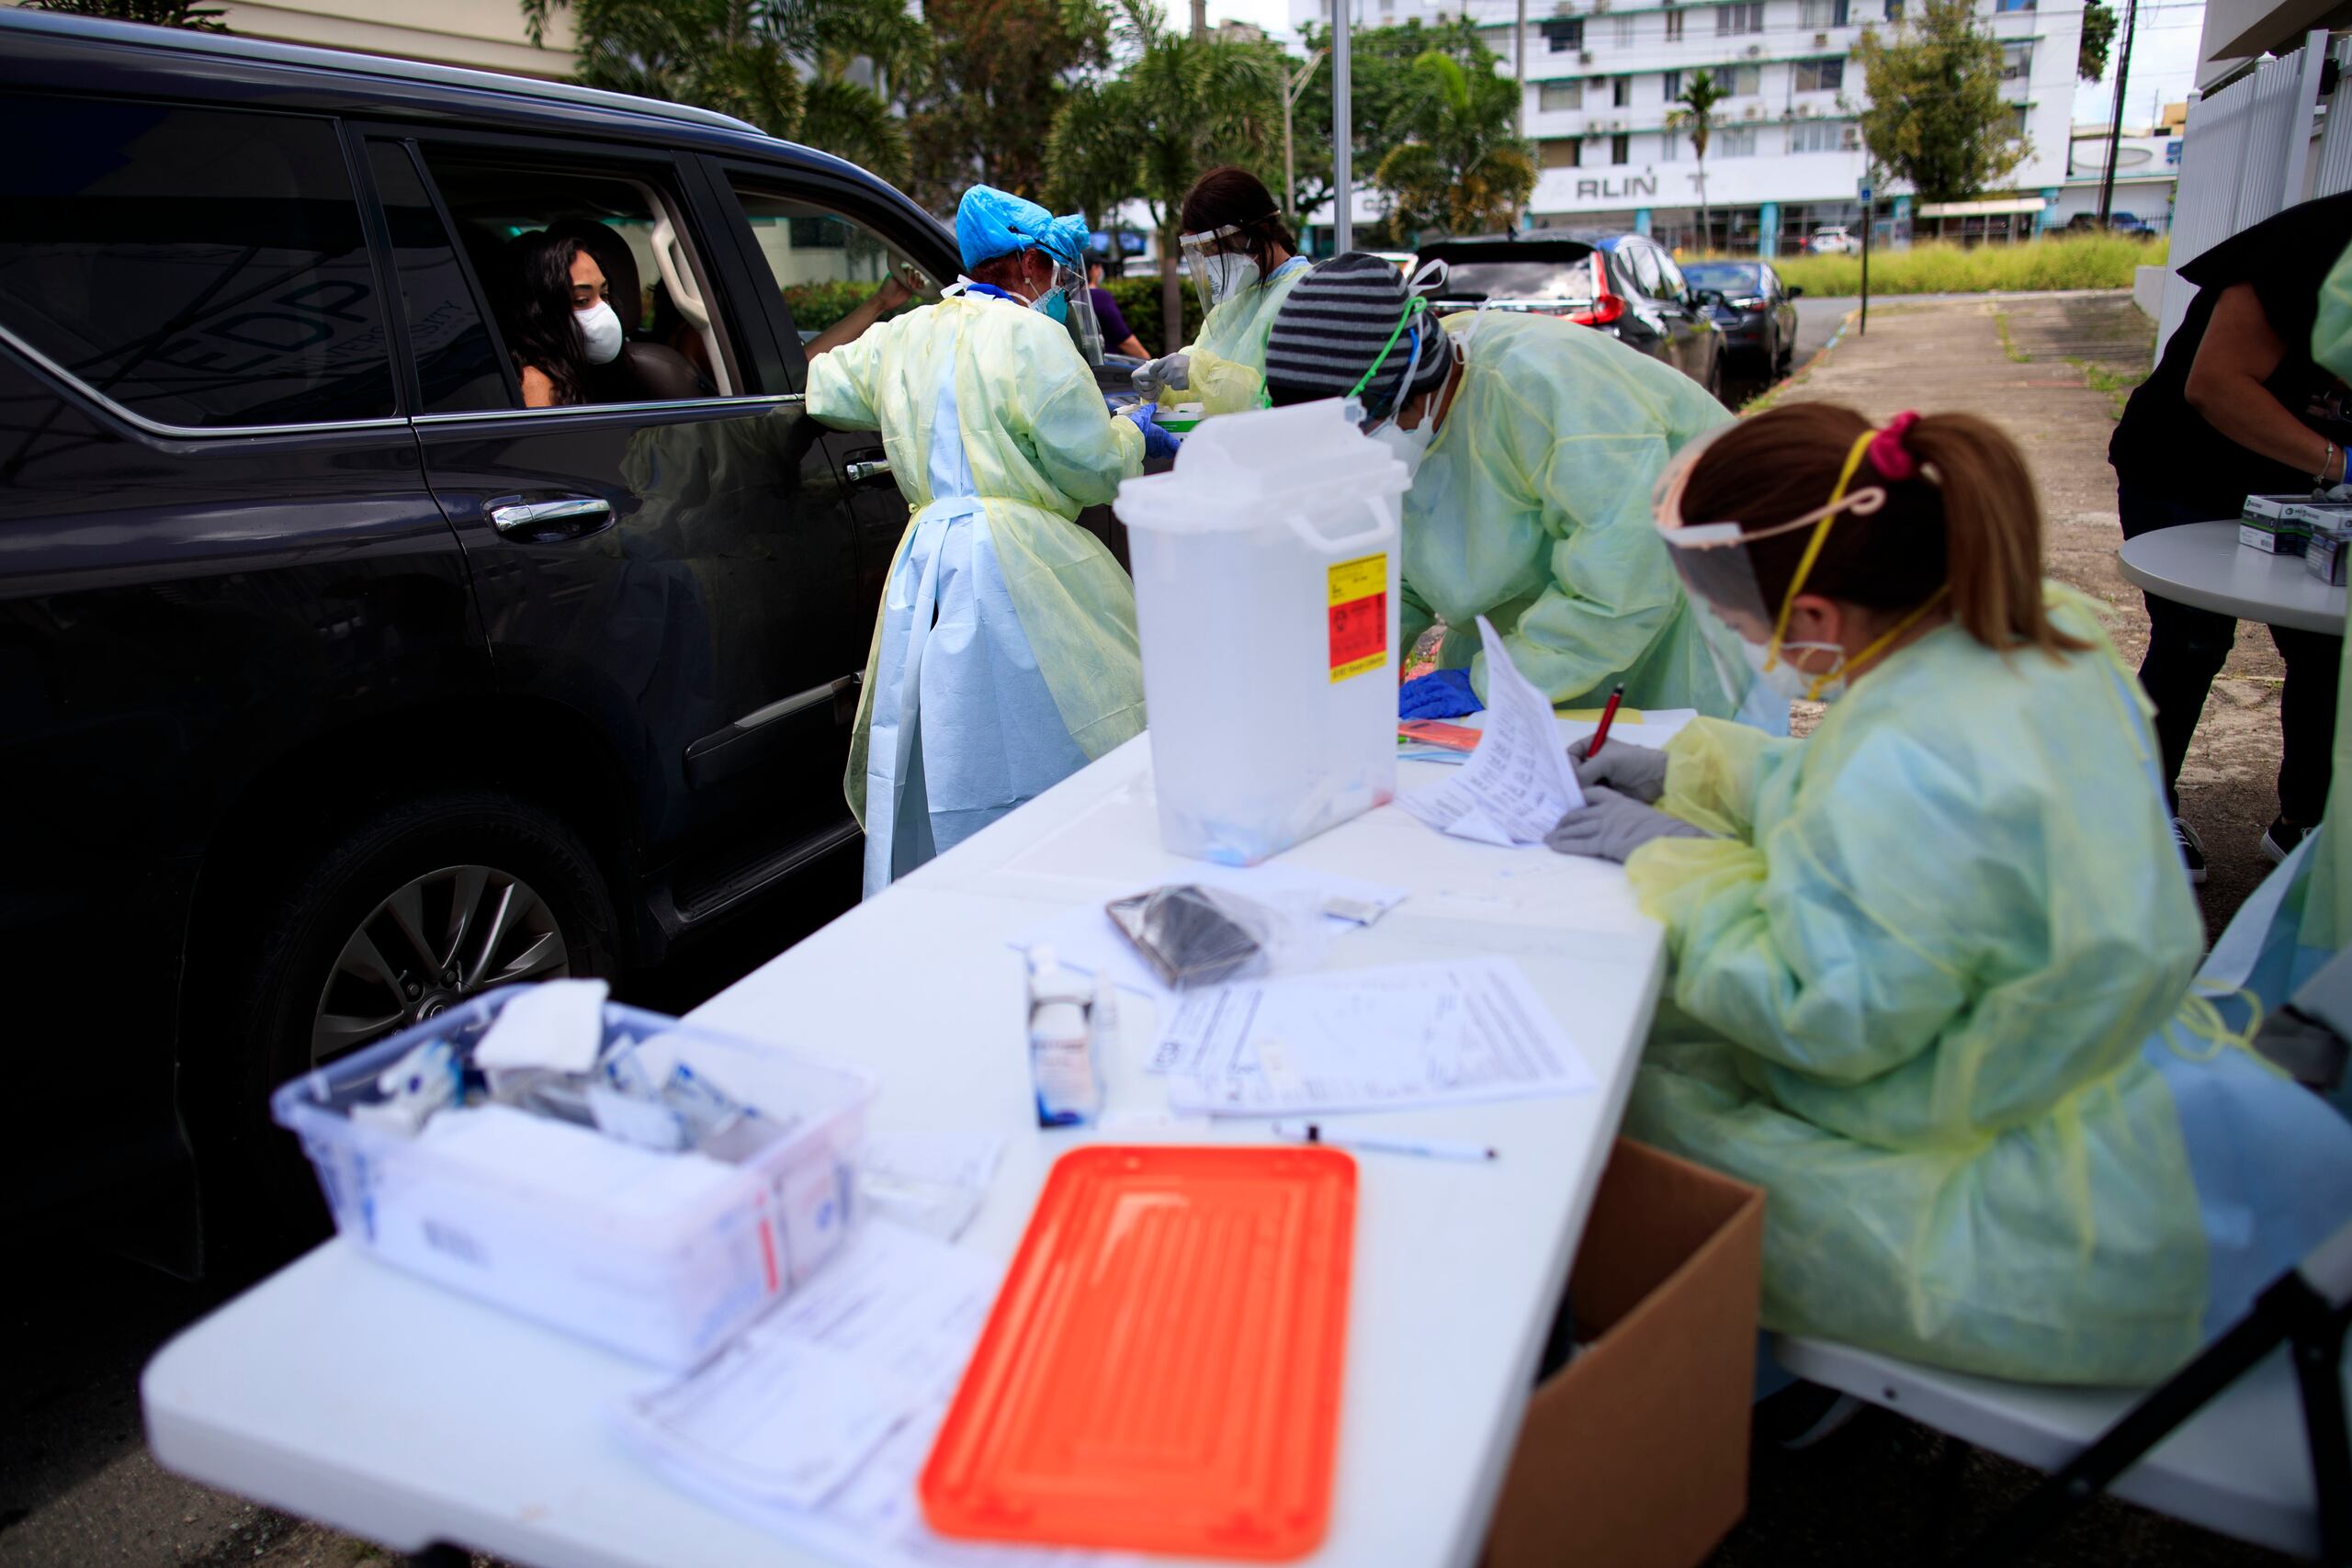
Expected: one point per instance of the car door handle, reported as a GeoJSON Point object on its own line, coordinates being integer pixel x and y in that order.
{"type": "Point", "coordinates": [565, 517]}
{"type": "Point", "coordinates": [864, 473]}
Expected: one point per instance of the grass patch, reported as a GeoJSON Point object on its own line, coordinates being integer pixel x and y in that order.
{"type": "Point", "coordinates": [2116, 384]}
{"type": "Point", "coordinates": [2009, 344]}
{"type": "Point", "coordinates": [1937, 266]}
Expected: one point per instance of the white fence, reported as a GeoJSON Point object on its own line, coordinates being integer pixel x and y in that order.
{"type": "Point", "coordinates": [2263, 144]}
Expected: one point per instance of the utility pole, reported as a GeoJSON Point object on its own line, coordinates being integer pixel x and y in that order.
{"type": "Point", "coordinates": [1200, 18]}
{"type": "Point", "coordinates": [1291, 92]}
{"type": "Point", "coordinates": [1519, 67]}
{"type": "Point", "coordinates": [1344, 136]}
{"type": "Point", "coordinates": [2115, 131]}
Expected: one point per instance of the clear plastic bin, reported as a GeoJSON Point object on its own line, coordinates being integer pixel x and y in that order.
{"type": "Point", "coordinates": [667, 1279]}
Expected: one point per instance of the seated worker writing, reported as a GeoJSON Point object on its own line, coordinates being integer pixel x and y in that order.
{"type": "Point", "coordinates": [1931, 965]}
{"type": "Point", "coordinates": [1004, 657]}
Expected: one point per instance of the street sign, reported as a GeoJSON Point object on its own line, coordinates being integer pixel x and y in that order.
{"type": "Point", "coordinates": [1863, 188]}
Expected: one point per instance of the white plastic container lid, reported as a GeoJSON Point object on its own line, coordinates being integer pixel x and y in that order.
{"type": "Point", "coordinates": [1235, 464]}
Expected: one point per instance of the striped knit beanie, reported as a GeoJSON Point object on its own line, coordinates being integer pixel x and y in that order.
{"type": "Point", "coordinates": [1333, 326]}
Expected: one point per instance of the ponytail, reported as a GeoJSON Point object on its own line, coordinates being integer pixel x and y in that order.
{"type": "Point", "coordinates": [1961, 514]}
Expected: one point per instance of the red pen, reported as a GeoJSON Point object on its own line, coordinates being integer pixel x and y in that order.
{"type": "Point", "coordinates": [1608, 716]}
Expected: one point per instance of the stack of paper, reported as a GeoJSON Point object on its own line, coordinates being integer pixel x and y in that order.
{"type": "Point", "coordinates": [815, 1422]}
{"type": "Point", "coordinates": [1518, 784]}
{"type": "Point", "coordinates": [1384, 1039]}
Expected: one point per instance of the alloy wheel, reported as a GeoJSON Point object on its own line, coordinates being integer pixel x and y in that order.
{"type": "Point", "coordinates": [444, 937]}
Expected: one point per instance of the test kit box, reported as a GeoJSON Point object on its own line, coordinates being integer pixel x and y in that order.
{"type": "Point", "coordinates": [2265, 525]}
{"type": "Point", "coordinates": [2325, 526]}
{"type": "Point", "coordinates": [661, 1257]}
{"type": "Point", "coordinates": [1636, 1453]}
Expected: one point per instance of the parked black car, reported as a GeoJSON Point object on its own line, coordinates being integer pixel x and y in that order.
{"type": "Point", "coordinates": [1625, 284]}
{"type": "Point", "coordinates": [338, 685]}
{"type": "Point", "coordinates": [2128, 223]}
{"type": "Point", "coordinates": [1757, 311]}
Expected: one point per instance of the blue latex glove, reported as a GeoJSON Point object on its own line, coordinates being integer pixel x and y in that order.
{"type": "Point", "coordinates": [1441, 693]}
{"type": "Point", "coordinates": [1157, 442]}
{"type": "Point", "coordinates": [1609, 826]}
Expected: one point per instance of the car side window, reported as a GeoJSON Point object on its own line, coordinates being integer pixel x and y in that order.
{"type": "Point", "coordinates": [200, 267]}
{"type": "Point", "coordinates": [457, 367]}
{"type": "Point", "coordinates": [824, 265]}
{"type": "Point", "coordinates": [1670, 276]}
{"type": "Point", "coordinates": [517, 220]}
{"type": "Point", "coordinates": [1645, 271]}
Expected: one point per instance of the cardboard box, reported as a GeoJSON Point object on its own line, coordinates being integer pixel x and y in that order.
{"type": "Point", "coordinates": [2324, 553]}
{"type": "Point", "coordinates": [1636, 1453]}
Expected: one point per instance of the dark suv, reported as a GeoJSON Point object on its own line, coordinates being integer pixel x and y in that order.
{"type": "Point", "coordinates": [337, 685]}
{"type": "Point", "coordinates": [1625, 284]}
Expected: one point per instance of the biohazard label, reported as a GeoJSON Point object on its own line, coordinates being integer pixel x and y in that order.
{"type": "Point", "coordinates": [1359, 600]}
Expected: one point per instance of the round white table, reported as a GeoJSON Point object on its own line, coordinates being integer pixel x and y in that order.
{"type": "Point", "coordinates": [2204, 565]}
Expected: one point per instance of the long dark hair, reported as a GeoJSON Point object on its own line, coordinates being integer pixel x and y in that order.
{"type": "Point", "coordinates": [537, 311]}
{"type": "Point", "coordinates": [1231, 195]}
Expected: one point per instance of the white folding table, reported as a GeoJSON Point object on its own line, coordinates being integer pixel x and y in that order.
{"type": "Point", "coordinates": [2203, 564]}
{"type": "Point", "coordinates": [345, 1392]}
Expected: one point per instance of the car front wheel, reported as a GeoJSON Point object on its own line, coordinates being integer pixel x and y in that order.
{"type": "Point", "coordinates": [425, 903]}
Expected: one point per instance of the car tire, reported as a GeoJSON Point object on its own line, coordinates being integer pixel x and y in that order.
{"type": "Point", "coordinates": [1715, 378]}
{"type": "Point", "coordinates": [409, 866]}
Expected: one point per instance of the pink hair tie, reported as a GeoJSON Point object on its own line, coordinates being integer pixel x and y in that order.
{"type": "Point", "coordinates": [1888, 454]}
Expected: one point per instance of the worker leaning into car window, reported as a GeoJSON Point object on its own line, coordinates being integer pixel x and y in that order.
{"type": "Point", "coordinates": [1534, 444]}
{"type": "Point", "coordinates": [1004, 655]}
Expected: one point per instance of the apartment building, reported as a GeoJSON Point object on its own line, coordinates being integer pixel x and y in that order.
{"type": "Point", "coordinates": [1786, 156]}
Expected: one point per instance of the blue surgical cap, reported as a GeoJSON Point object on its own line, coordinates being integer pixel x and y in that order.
{"type": "Point", "coordinates": [991, 223]}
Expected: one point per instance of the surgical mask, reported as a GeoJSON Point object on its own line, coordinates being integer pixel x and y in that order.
{"type": "Point", "coordinates": [1409, 446]}
{"type": "Point", "coordinates": [600, 332]}
{"type": "Point", "coordinates": [1787, 680]}
{"type": "Point", "coordinates": [1228, 275]}
{"type": "Point", "coordinates": [1054, 303]}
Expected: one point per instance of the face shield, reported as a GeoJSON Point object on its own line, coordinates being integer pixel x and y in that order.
{"type": "Point", "coordinates": [1745, 631]}
{"type": "Point", "coordinates": [1220, 265]}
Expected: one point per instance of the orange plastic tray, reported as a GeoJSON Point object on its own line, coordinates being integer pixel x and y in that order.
{"type": "Point", "coordinates": [1161, 1369]}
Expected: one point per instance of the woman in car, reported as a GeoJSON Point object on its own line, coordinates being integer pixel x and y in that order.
{"type": "Point", "coordinates": [559, 318]}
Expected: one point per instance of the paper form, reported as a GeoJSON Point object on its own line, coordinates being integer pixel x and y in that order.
{"type": "Point", "coordinates": [1518, 784]}
{"type": "Point", "coordinates": [1385, 1038]}
{"type": "Point", "coordinates": [902, 1309]}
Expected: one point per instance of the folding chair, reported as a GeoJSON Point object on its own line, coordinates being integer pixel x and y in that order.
{"type": "Point", "coordinates": [2232, 1441]}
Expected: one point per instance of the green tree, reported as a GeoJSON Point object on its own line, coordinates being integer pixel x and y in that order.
{"type": "Point", "coordinates": [156, 13]}
{"type": "Point", "coordinates": [790, 67]}
{"type": "Point", "coordinates": [998, 79]}
{"type": "Point", "coordinates": [1383, 94]}
{"type": "Point", "coordinates": [2098, 37]}
{"type": "Point", "coordinates": [1179, 105]}
{"type": "Point", "coordinates": [1462, 168]}
{"type": "Point", "coordinates": [1695, 113]}
{"type": "Point", "coordinates": [1937, 118]}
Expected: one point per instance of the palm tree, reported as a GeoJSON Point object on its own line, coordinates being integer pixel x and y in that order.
{"type": "Point", "coordinates": [1179, 104]}
{"type": "Point", "coordinates": [1462, 168]}
{"type": "Point", "coordinates": [173, 13]}
{"type": "Point", "coordinates": [787, 66]}
{"type": "Point", "coordinates": [1697, 116]}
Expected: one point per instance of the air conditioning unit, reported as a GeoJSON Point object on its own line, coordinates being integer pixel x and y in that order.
{"type": "Point", "coordinates": [1755, 111]}
{"type": "Point", "coordinates": [1564, 8]}
{"type": "Point", "coordinates": [1754, 51]}
{"type": "Point", "coordinates": [1821, 40]}
{"type": "Point", "coordinates": [1810, 110]}
{"type": "Point", "coordinates": [1850, 138]}
{"type": "Point", "coordinates": [1585, 59]}
{"type": "Point", "coordinates": [1599, 6]}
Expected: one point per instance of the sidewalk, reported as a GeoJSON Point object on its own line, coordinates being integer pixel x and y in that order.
{"type": "Point", "coordinates": [2052, 371]}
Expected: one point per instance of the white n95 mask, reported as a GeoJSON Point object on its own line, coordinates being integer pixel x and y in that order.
{"type": "Point", "coordinates": [600, 332]}
{"type": "Point", "coordinates": [1228, 275]}
{"type": "Point", "coordinates": [1788, 681]}
{"type": "Point", "coordinates": [1409, 447]}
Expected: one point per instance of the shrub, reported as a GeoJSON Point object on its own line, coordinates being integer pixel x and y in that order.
{"type": "Point", "coordinates": [1940, 266]}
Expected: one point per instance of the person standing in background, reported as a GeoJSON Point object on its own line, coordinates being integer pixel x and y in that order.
{"type": "Point", "coordinates": [2236, 407]}
{"type": "Point", "coordinates": [1117, 336]}
{"type": "Point", "coordinates": [1244, 260]}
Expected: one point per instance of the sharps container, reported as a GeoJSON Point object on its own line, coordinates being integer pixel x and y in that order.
{"type": "Point", "coordinates": [1265, 566]}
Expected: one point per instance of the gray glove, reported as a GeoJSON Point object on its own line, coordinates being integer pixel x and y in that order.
{"type": "Point", "coordinates": [1636, 771]}
{"type": "Point", "coordinates": [1609, 826]}
{"type": "Point", "coordinates": [1169, 372]}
